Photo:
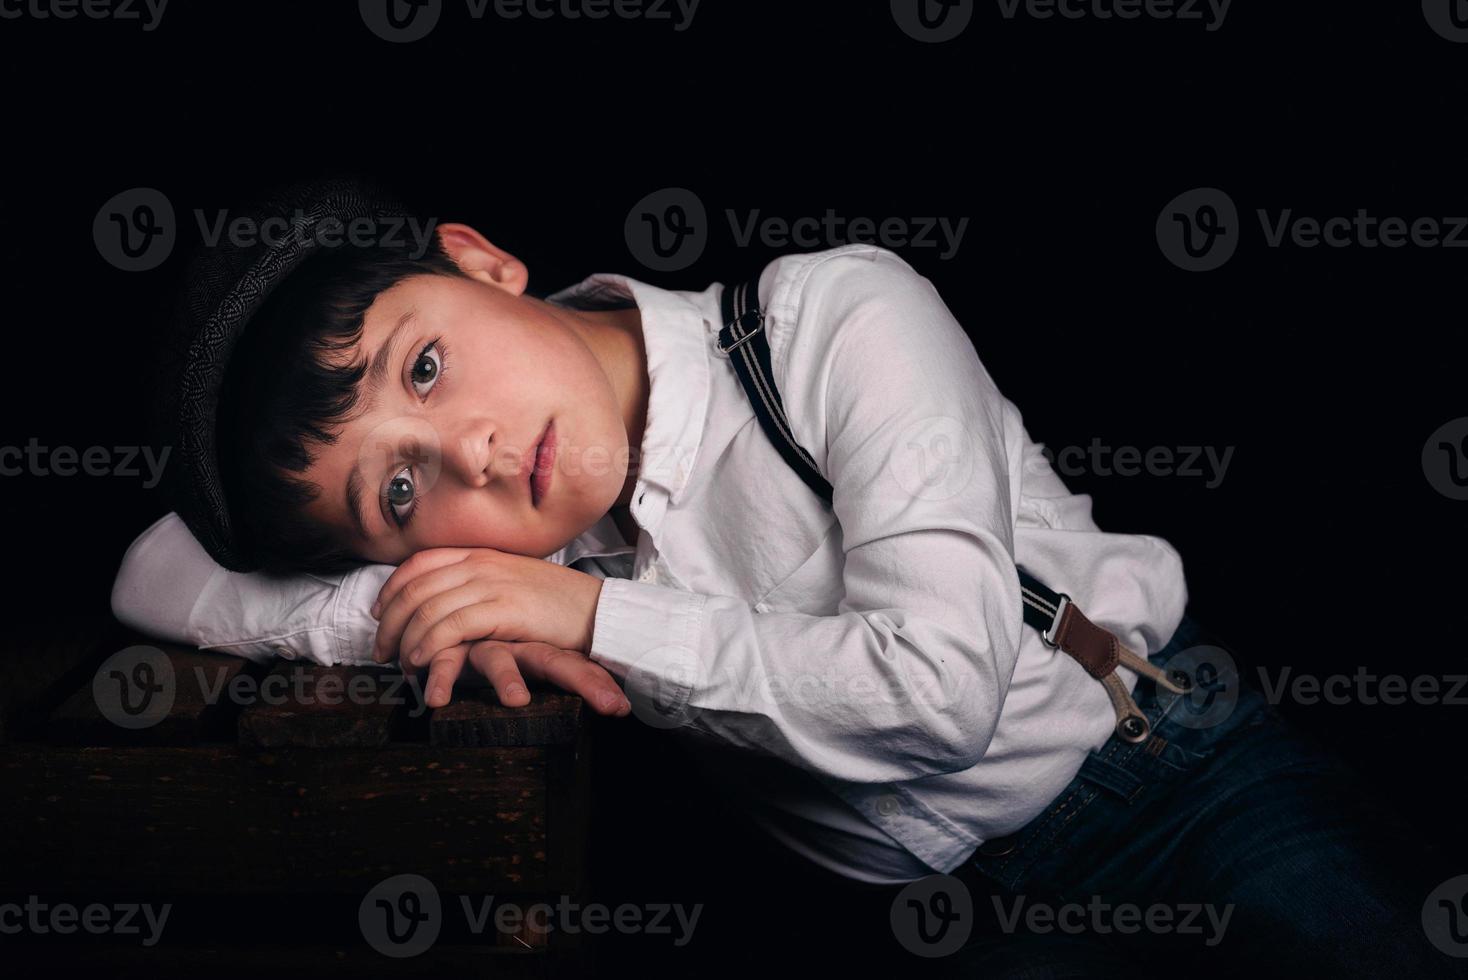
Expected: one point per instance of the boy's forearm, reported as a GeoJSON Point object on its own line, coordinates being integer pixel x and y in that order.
{"type": "Point", "coordinates": [169, 588]}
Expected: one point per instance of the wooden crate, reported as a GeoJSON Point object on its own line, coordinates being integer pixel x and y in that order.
{"type": "Point", "coordinates": [268, 801]}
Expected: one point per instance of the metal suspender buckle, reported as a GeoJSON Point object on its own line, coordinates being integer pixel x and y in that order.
{"type": "Point", "coordinates": [1054, 626]}
{"type": "Point", "coordinates": [742, 320]}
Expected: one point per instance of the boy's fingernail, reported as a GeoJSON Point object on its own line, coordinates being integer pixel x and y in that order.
{"type": "Point", "coordinates": [416, 657]}
{"type": "Point", "coordinates": [376, 610]}
{"type": "Point", "coordinates": [514, 690]}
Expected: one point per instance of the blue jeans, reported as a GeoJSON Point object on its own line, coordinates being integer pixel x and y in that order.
{"type": "Point", "coordinates": [1303, 871]}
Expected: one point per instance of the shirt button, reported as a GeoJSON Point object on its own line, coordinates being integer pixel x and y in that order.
{"type": "Point", "coordinates": [284, 652]}
{"type": "Point", "coordinates": [888, 805]}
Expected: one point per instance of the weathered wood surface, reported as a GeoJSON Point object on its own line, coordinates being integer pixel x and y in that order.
{"type": "Point", "coordinates": [40, 668]}
{"type": "Point", "coordinates": [477, 718]}
{"type": "Point", "coordinates": [133, 691]}
{"type": "Point", "coordinates": [326, 707]}
{"type": "Point", "coordinates": [228, 819]}
{"type": "Point", "coordinates": [153, 694]}
{"type": "Point", "coordinates": [286, 779]}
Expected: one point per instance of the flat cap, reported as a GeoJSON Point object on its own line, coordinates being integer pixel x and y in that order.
{"type": "Point", "coordinates": [225, 284]}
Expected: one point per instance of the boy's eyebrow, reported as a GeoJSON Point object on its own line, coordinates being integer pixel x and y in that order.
{"type": "Point", "coordinates": [354, 499]}
{"type": "Point", "coordinates": [377, 370]}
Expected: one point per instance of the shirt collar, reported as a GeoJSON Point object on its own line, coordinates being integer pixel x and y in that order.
{"type": "Point", "coordinates": [601, 539]}
{"type": "Point", "coordinates": [675, 335]}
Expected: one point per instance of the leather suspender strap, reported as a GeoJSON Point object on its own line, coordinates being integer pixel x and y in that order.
{"type": "Point", "coordinates": [1059, 621]}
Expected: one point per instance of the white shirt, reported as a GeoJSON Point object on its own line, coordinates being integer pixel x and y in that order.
{"type": "Point", "coordinates": [861, 676]}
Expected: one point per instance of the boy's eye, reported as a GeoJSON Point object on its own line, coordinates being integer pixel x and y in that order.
{"type": "Point", "coordinates": [426, 368]}
{"type": "Point", "coordinates": [399, 495]}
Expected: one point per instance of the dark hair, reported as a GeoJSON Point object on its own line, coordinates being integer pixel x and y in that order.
{"type": "Point", "coordinates": [287, 388]}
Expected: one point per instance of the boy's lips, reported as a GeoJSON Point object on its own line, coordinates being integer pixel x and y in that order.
{"type": "Point", "coordinates": [542, 463]}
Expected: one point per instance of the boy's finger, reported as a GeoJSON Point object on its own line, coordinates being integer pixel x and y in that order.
{"type": "Point", "coordinates": [468, 623]}
{"type": "Point", "coordinates": [442, 673]}
{"type": "Point", "coordinates": [417, 563]}
{"type": "Point", "coordinates": [493, 659]}
{"type": "Point", "coordinates": [571, 671]}
{"type": "Point", "coordinates": [444, 602]}
{"type": "Point", "coordinates": [394, 617]}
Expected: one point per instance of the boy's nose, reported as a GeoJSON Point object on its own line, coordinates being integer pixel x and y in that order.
{"type": "Point", "coordinates": [471, 457]}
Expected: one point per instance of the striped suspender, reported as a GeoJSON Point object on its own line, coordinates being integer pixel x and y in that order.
{"type": "Point", "coordinates": [743, 339]}
{"type": "Point", "coordinates": [1058, 619]}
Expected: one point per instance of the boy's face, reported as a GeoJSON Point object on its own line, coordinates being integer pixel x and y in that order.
{"type": "Point", "coordinates": [472, 375]}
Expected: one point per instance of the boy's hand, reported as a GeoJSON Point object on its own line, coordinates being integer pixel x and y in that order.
{"type": "Point", "coordinates": [506, 664]}
{"type": "Point", "coordinates": [443, 597]}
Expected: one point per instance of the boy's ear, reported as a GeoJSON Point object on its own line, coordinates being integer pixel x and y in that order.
{"type": "Point", "coordinates": [482, 260]}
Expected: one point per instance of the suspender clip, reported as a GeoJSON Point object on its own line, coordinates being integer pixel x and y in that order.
{"type": "Point", "coordinates": [743, 321]}
{"type": "Point", "coordinates": [1054, 626]}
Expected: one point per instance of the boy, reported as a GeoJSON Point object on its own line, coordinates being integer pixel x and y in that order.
{"type": "Point", "coordinates": [575, 488]}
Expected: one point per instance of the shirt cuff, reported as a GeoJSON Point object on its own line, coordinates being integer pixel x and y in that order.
{"type": "Point", "coordinates": [353, 628]}
{"type": "Point", "coordinates": [647, 636]}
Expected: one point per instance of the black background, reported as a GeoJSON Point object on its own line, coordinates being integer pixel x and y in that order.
{"type": "Point", "coordinates": [1325, 547]}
